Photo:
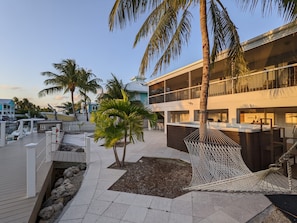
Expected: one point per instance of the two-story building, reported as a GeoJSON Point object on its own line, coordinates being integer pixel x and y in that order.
{"type": "Point", "coordinates": [268, 90]}
{"type": "Point", "coordinates": [7, 109]}
{"type": "Point", "coordinates": [139, 90]}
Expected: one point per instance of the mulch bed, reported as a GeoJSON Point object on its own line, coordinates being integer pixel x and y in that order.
{"type": "Point", "coordinates": [155, 176]}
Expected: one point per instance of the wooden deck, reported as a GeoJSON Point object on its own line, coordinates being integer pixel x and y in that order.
{"type": "Point", "coordinates": [73, 157]}
{"type": "Point", "coordinates": [14, 205]}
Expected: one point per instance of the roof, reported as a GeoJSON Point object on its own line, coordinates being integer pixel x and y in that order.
{"type": "Point", "coordinates": [138, 86]}
{"type": "Point", "coordinates": [6, 101]}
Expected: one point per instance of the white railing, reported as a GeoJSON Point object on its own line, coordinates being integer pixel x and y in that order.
{"type": "Point", "coordinates": [37, 155]}
{"type": "Point", "coordinates": [281, 77]}
{"type": "Point", "coordinates": [78, 126]}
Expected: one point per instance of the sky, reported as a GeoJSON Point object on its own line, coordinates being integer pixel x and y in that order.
{"type": "Point", "coordinates": [34, 34]}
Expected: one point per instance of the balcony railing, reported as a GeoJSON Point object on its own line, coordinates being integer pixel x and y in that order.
{"type": "Point", "coordinates": [262, 80]}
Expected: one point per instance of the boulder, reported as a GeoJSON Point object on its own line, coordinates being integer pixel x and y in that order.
{"type": "Point", "coordinates": [47, 212]}
{"type": "Point", "coordinates": [58, 182]}
{"type": "Point", "coordinates": [68, 173]}
{"type": "Point", "coordinates": [82, 166]}
{"type": "Point", "coordinates": [58, 207]}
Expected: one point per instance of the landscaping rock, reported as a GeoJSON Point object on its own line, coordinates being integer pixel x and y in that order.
{"type": "Point", "coordinates": [47, 212]}
{"type": "Point", "coordinates": [58, 182]}
{"type": "Point", "coordinates": [64, 190]}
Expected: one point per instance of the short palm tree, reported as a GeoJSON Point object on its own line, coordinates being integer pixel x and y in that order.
{"type": "Point", "coordinates": [168, 27]}
{"type": "Point", "coordinates": [119, 119]}
{"type": "Point", "coordinates": [87, 84]}
{"type": "Point", "coordinates": [108, 129]}
{"type": "Point", "coordinates": [67, 79]}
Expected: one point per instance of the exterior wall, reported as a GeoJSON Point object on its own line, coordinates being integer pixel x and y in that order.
{"type": "Point", "coordinates": [270, 86]}
{"type": "Point", "coordinates": [7, 108]}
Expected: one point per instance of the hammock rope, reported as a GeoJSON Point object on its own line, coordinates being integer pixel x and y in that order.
{"type": "Point", "coordinates": [217, 165]}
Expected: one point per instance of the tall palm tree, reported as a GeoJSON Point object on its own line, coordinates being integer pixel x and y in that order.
{"type": "Point", "coordinates": [86, 85]}
{"type": "Point", "coordinates": [123, 120]}
{"type": "Point", "coordinates": [67, 79]}
{"type": "Point", "coordinates": [169, 24]}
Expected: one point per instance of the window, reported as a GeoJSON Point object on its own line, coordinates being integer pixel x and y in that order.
{"type": "Point", "coordinates": [220, 115]}
{"type": "Point", "coordinates": [291, 118]}
{"type": "Point", "coordinates": [179, 116]}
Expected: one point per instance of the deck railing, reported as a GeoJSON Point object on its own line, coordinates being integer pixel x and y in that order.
{"type": "Point", "coordinates": [38, 154]}
{"type": "Point", "coordinates": [281, 77]}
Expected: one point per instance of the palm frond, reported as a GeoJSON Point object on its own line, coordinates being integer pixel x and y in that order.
{"type": "Point", "coordinates": [168, 36]}
{"type": "Point", "coordinates": [124, 11]}
{"type": "Point", "coordinates": [286, 8]}
{"type": "Point", "coordinates": [173, 48]}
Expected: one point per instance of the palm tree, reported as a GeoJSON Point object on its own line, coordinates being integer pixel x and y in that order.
{"type": "Point", "coordinates": [67, 107]}
{"type": "Point", "coordinates": [119, 119]}
{"type": "Point", "coordinates": [113, 89]}
{"type": "Point", "coordinates": [67, 79]}
{"type": "Point", "coordinates": [87, 84]}
{"type": "Point", "coordinates": [107, 128]}
{"type": "Point", "coordinates": [169, 24]}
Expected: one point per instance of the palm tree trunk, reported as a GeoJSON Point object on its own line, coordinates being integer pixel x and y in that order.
{"type": "Point", "coordinates": [72, 101]}
{"type": "Point", "coordinates": [116, 156]}
{"type": "Point", "coordinates": [205, 69]}
{"type": "Point", "coordinates": [86, 110]}
{"type": "Point", "coordinates": [124, 151]}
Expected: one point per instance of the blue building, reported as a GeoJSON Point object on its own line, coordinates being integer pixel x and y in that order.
{"type": "Point", "coordinates": [7, 109]}
{"type": "Point", "coordinates": [138, 87]}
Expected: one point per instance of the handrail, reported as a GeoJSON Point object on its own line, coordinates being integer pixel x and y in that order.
{"type": "Point", "coordinates": [258, 80]}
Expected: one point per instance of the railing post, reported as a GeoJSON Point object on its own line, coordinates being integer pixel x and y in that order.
{"type": "Point", "coordinates": [48, 146]}
{"type": "Point", "coordinates": [32, 126]}
{"type": "Point", "coordinates": [54, 138]}
{"type": "Point", "coordinates": [21, 129]}
{"type": "Point", "coordinates": [31, 169]}
{"type": "Point", "coordinates": [58, 126]}
{"type": "Point", "coordinates": [2, 132]}
{"type": "Point", "coordinates": [87, 148]}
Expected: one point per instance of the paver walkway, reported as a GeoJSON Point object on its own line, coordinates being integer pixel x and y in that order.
{"type": "Point", "coordinates": [95, 203]}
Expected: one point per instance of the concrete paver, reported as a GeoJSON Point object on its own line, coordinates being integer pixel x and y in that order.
{"type": "Point", "coordinates": [95, 203]}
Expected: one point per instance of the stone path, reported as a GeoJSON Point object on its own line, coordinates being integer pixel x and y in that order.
{"type": "Point", "coordinates": [95, 203]}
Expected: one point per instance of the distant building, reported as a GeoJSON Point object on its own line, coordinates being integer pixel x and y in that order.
{"type": "Point", "coordinates": [138, 87]}
{"type": "Point", "coordinates": [7, 109]}
{"type": "Point", "coordinates": [93, 106]}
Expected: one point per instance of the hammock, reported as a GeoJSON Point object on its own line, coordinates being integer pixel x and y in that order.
{"type": "Point", "coordinates": [217, 165]}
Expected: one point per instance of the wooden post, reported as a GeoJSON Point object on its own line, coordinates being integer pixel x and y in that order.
{"type": "Point", "coordinates": [31, 169]}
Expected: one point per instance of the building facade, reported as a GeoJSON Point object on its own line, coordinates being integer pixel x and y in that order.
{"type": "Point", "coordinates": [139, 90]}
{"type": "Point", "coordinates": [7, 109]}
{"type": "Point", "coordinates": [268, 90]}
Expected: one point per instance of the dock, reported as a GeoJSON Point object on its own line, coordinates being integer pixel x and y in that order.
{"type": "Point", "coordinates": [15, 206]}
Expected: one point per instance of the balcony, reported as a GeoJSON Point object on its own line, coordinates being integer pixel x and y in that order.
{"type": "Point", "coordinates": [281, 77]}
